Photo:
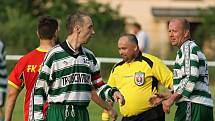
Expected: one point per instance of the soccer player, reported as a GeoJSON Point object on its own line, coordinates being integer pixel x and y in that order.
{"type": "Point", "coordinates": [137, 78]}
{"type": "Point", "coordinates": [68, 74]}
{"type": "Point", "coordinates": [3, 78]}
{"type": "Point", "coordinates": [191, 80]}
{"type": "Point", "coordinates": [26, 71]}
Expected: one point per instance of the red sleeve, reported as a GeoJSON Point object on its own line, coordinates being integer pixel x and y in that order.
{"type": "Point", "coordinates": [16, 77]}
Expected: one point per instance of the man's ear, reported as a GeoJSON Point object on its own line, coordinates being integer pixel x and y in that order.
{"type": "Point", "coordinates": [186, 33]}
{"type": "Point", "coordinates": [77, 28]}
{"type": "Point", "coordinates": [136, 48]}
{"type": "Point", "coordinates": [37, 34]}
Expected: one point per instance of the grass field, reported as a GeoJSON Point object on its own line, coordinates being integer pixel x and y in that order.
{"type": "Point", "coordinates": [94, 110]}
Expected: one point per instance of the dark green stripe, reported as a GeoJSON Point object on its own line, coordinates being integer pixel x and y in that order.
{"type": "Point", "coordinates": [48, 62]}
{"type": "Point", "coordinates": [38, 108]}
{"type": "Point", "coordinates": [191, 79]}
{"type": "Point", "coordinates": [186, 93]}
{"type": "Point", "coordinates": [177, 66]}
{"type": "Point", "coordinates": [40, 92]}
{"type": "Point", "coordinates": [195, 49]}
{"type": "Point", "coordinates": [177, 81]}
{"type": "Point", "coordinates": [102, 93]}
{"type": "Point", "coordinates": [3, 86]}
{"type": "Point", "coordinates": [202, 63]}
{"type": "Point", "coordinates": [2, 67]}
{"type": "Point", "coordinates": [3, 76]}
{"type": "Point", "coordinates": [201, 79]}
{"type": "Point", "coordinates": [201, 93]}
{"type": "Point", "coordinates": [71, 87]}
{"type": "Point", "coordinates": [43, 76]}
{"type": "Point", "coordinates": [91, 57]}
{"type": "Point", "coordinates": [60, 55]}
{"type": "Point", "coordinates": [179, 53]}
{"type": "Point", "coordinates": [194, 63]}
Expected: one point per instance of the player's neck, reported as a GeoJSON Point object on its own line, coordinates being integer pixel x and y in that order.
{"type": "Point", "coordinates": [73, 42]}
{"type": "Point", "coordinates": [46, 44]}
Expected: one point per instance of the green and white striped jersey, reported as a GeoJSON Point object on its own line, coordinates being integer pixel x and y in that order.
{"type": "Point", "coordinates": [67, 78]}
{"type": "Point", "coordinates": [191, 78]}
{"type": "Point", "coordinates": [3, 71]}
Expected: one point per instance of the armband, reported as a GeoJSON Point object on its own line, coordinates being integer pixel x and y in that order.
{"type": "Point", "coordinates": [114, 89]}
{"type": "Point", "coordinates": [105, 116]}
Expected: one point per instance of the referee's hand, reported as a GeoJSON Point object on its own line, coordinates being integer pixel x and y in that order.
{"type": "Point", "coordinates": [118, 97]}
{"type": "Point", "coordinates": [155, 99]}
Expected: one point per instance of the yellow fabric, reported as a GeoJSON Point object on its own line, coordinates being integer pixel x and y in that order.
{"type": "Point", "coordinates": [105, 116]}
{"type": "Point", "coordinates": [136, 97]}
{"type": "Point", "coordinates": [41, 50]}
{"type": "Point", "coordinates": [13, 85]}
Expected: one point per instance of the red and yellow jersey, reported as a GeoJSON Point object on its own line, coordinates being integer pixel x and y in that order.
{"type": "Point", "coordinates": [25, 74]}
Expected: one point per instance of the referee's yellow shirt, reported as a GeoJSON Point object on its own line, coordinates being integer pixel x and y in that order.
{"type": "Point", "coordinates": [137, 81]}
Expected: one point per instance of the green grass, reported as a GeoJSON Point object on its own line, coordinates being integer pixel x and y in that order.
{"type": "Point", "coordinates": [94, 110]}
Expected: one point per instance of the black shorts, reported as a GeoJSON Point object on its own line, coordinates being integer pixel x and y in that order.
{"type": "Point", "coordinates": [154, 114]}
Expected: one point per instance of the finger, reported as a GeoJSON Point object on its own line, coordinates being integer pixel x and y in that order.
{"type": "Point", "coordinates": [122, 101]}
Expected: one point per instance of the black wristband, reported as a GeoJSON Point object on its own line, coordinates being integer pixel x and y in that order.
{"type": "Point", "coordinates": [114, 89]}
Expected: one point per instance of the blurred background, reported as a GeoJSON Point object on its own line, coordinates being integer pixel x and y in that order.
{"type": "Point", "coordinates": [18, 20]}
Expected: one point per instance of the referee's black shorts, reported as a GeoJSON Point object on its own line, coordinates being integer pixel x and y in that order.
{"type": "Point", "coordinates": [154, 114]}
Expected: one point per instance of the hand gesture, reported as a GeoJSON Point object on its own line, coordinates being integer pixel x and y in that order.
{"type": "Point", "coordinates": [118, 97]}
{"type": "Point", "coordinates": [167, 105]}
{"type": "Point", "coordinates": [156, 99]}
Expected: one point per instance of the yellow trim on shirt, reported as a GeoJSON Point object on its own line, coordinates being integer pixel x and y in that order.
{"type": "Point", "coordinates": [41, 50]}
{"type": "Point", "coordinates": [13, 85]}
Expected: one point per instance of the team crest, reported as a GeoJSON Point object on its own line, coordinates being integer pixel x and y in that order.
{"type": "Point", "coordinates": [139, 78]}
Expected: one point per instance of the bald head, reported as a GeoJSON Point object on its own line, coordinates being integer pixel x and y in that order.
{"type": "Point", "coordinates": [185, 24]}
{"type": "Point", "coordinates": [128, 47]}
{"type": "Point", "coordinates": [131, 38]}
{"type": "Point", "coordinates": [179, 31]}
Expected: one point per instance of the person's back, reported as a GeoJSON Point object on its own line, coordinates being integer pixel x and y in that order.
{"type": "Point", "coordinates": [26, 70]}
{"type": "Point", "coordinates": [3, 78]}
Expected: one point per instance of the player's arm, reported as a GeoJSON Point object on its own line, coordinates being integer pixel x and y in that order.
{"type": "Point", "coordinates": [103, 89]}
{"type": "Point", "coordinates": [41, 87]}
{"type": "Point", "coordinates": [15, 84]}
{"type": "Point", "coordinates": [157, 98]}
{"type": "Point", "coordinates": [105, 105]}
{"type": "Point", "coordinates": [10, 102]}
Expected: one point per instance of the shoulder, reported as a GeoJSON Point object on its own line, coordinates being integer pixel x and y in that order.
{"type": "Point", "coordinates": [191, 46]}
{"type": "Point", "coordinates": [55, 50]}
{"type": "Point", "coordinates": [151, 57]}
{"type": "Point", "coordinates": [87, 51]}
{"type": "Point", "coordinates": [29, 55]}
{"type": "Point", "coordinates": [117, 65]}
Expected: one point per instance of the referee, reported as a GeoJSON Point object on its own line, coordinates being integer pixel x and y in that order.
{"type": "Point", "coordinates": [137, 77]}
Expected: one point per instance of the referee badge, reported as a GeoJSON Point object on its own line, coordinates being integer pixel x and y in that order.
{"type": "Point", "coordinates": [139, 78]}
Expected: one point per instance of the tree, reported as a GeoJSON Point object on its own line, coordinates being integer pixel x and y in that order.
{"type": "Point", "coordinates": [18, 23]}
{"type": "Point", "coordinates": [205, 32]}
